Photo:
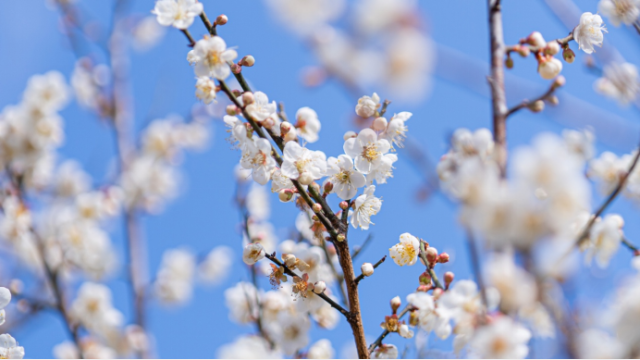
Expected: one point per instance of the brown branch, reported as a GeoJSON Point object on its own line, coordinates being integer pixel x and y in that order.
{"type": "Point", "coordinates": [339, 277]}
{"type": "Point", "coordinates": [385, 104]}
{"type": "Point", "coordinates": [563, 42]}
{"type": "Point", "coordinates": [496, 80]}
{"type": "Point", "coordinates": [362, 276]}
{"type": "Point", "coordinates": [384, 334]}
{"type": "Point", "coordinates": [623, 180]}
{"type": "Point", "coordinates": [631, 246]}
{"type": "Point", "coordinates": [186, 33]}
{"type": "Point", "coordinates": [525, 103]}
{"type": "Point", "coordinates": [210, 28]}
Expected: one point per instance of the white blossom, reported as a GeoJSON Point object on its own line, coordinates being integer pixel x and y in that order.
{"type": "Point", "coordinates": [366, 150]}
{"type": "Point", "coordinates": [428, 316]}
{"type": "Point", "coordinates": [206, 90]}
{"type": "Point", "coordinates": [620, 11]}
{"type": "Point", "coordinates": [261, 109]}
{"type": "Point", "coordinates": [242, 301]}
{"type": "Point", "coordinates": [366, 205]}
{"type": "Point", "coordinates": [516, 286]}
{"type": "Point", "coordinates": [307, 125]}
{"type": "Point", "coordinates": [210, 56]}
{"type": "Point", "coordinates": [174, 280]}
{"type": "Point", "coordinates": [345, 179]}
{"type": "Point", "coordinates": [549, 68]}
{"type": "Point", "coordinates": [93, 309]}
{"type": "Point", "coordinates": [290, 332]}
{"type": "Point", "coordinates": [406, 252]}
{"type": "Point", "coordinates": [177, 13]}
{"type": "Point", "coordinates": [367, 106]}
{"type": "Point", "coordinates": [9, 348]}
{"type": "Point", "coordinates": [597, 344]}
{"type": "Point", "coordinates": [501, 339]}
{"type": "Point", "coordinates": [321, 349]}
{"type": "Point", "coordinates": [257, 202]}
{"type": "Point", "coordinates": [396, 130]}
{"type": "Point", "coordinates": [385, 351]}
{"type": "Point", "coordinates": [5, 299]}
{"type": "Point", "coordinates": [589, 32]}
{"type": "Point", "coordinates": [147, 34]}
{"type": "Point", "coordinates": [620, 82]}
{"type": "Point", "coordinates": [384, 171]}
{"type": "Point", "coordinates": [216, 266]}
{"type": "Point", "coordinates": [257, 156]}
{"type": "Point", "coordinates": [298, 160]}
{"type": "Point", "coordinates": [48, 93]}
{"type": "Point", "coordinates": [252, 253]}
{"type": "Point", "coordinates": [248, 347]}
{"type": "Point", "coordinates": [604, 239]}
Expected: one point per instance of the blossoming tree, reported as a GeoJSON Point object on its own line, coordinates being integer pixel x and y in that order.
{"type": "Point", "coordinates": [526, 213]}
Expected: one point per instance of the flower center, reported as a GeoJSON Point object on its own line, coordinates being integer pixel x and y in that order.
{"type": "Point", "coordinates": [213, 58]}
{"type": "Point", "coordinates": [370, 152]}
{"type": "Point", "coordinates": [499, 345]}
{"type": "Point", "coordinates": [302, 164]}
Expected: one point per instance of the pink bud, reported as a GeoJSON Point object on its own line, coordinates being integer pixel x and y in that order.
{"type": "Point", "coordinates": [379, 124]}
{"type": "Point", "coordinates": [328, 187]}
{"type": "Point", "coordinates": [423, 288]}
{"type": "Point", "coordinates": [344, 205]}
{"type": "Point", "coordinates": [568, 55]}
{"type": "Point", "coordinates": [232, 110]}
{"type": "Point", "coordinates": [536, 106]}
{"type": "Point", "coordinates": [305, 178]}
{"type": "Point", "coordinates": [222, 19]}
{"type": "Point", "coordinates": [536, 39]}
{"type": "Point", "coordinates": [443, 258]}
{"type": "Point", "coordinates": [247, 98]}
{"type": "Point", "coordinates": [285, 126]}
{"type": "Point", "coordinates": [236, 68]}
{"type": "Point", "coordinates": [285, 195]}
{"type": "Point", "coordinates": [425, 278]}
{"type": "Point", "coordinates": [432, 255]}
{"type": "Point", "coordinates": [448, 278]}
{"type": "Point", "coordinates": [559, 81]}
{"type": "Point", "coordinates": [317, 208]}
{"type": "Point", "coordinates": [552, 48]}
{"type": "Point", "coordinates": [247, 61]}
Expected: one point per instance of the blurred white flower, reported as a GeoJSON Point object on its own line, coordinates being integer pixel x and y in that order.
{"type": "Point", "coordinates": [215, 268]}
{"type": "Point", "coordinates": [177, 13]}
{"type": "Point", "coordinates": [589, 32]}
{"type": "Point", "coordinates": [248, 347]}
{"type": "Point", "coordinates": [367, 106]}
{"type": "Point", "coordinates": [620, 82]}
{"type": "Point", "coordinates": [242, 301]}
{"type": "Point", "coordinates": [385, 351]}
{"type": "Point", "coordinates": [206, 90]}
{"type": "Point", "coordinates": [9, 348]}
{"type": "Point", "coordinates": [501, 339]}
{"type": "Point", "coordinates": [604, 239]}
{"type": "Point", "coordinates": [305, 16]}
{"type": "Point", "coordinates": [147, 34]}
{"type": "Point", "coordinates": [93, 309]}
{"type": "Point", "coordinates": [307, 125]}
{"type": "Point", "coordinates": [428, 316]}
{"type": "Point", "coordinates": [597, 344]}
{"type": "Point", "coordinates": [620, 11]}
{"type": "Point", "coordinates": [321, 349]}
{"type": "Point", "coordinates": [174, 280]}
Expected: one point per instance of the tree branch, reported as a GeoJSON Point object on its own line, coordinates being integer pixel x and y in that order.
{"type": "Point", "coordinates": [525, 103]}
{"type": "Point", "coordinates": [361, 276]}
{"type": "Point", "coordinates": [384, 334]}
{"type": "Point", "coordinates": [496, 80]}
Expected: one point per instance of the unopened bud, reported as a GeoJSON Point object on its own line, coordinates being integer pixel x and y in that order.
{"type": "Point", "coordinates": [568, 55]}
{"type": "Point", "coordinates": [443, 258]}
{"type": "Point", "coordinates": [319, 287]}
{"type": "Point", "coordinates": [395, 303]}
{"type": "Point", "coordinates": [536, 106]}
{"type": "Point", "coordinates": [285, 195]}
{"type": "Point", "coordinates": [423, 288]}
{"type": "Point", "coordinates": [367, 269]}
{"type": "Point", "coordinates": [425, 278]}
{"type": "Point", "coordinates": [305, 178]}
{"type": "Point", "coordinates": [247, 98]}
{"type": "Point", "coordinates": [437, 292]}
{"type": "Point", "coordinates": [236, 92]}
{"type": "Point", "coordinates": [636, 253]}
{"type": "Point", "coordinates": [344, 205]}
{"type": "Point", "coordinates": [553, 100]}
{"type": "Point", "coordinates": [448, 278]}
{"type": "Point", "coordinates": [509, 63]}
{"type": "Point", "coordinates": [349, 134]}
{"type": "Point", "coordinates": [285, 126]}
{"type": "Point", "coordinates": [315, 186]}
{"type": "Point", "coordinates": [328, 187]}
{"type": "Point", "coordinates": [340, 237]}
{"type": "Point", "coordinates": [414, 318]}
{"type": "Point", "coordinates": [289, 259]}
{"type": "Point", "coordinates": [221, 19]}
{"type": "Point", "coordinates": [379, 124]}
{"type": "Point", "coordinates": [524, 51]}
{"type": "Point", "coordinates": [236, 68]}
{"type": "Point", "coordinates": [290, 136]}
{"type": "Point", "coordinates": [247, 61]}
{"type": "Point", "coordinates": [552, 48]}
{"type": "Point", "coordinates": [536, 39]}
{"type": "Point", "coordinates": [316, 208]}
{"type": "Point", "coordinates": [432, 255]}
{"type": "Point", "coordinates": [559, 81]}
{"type": "Point", "coordinates": [232, 110]}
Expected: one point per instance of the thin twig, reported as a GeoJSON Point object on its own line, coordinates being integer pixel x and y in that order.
{"type": "Point", "coordinates": [362, 276]}
{"type": "Point", "coordinates": [561, 41]}
{"type": "Point", "coordinates": [324, 297]}
{"type": "Point", "coordinates": [384, 334]}
{"type": "Point", "coordinates": [210, 28]}
{"type": "Point", "coordinates": [475, 265]}
{"type": "Point", "coordinates": [525, 103]}
{"type": "Point", "coordinates": [385, 104]}
{"type": "Point", "coordinates": [630, 246]}
{"type": "Point", "coordinates": [186, 33]}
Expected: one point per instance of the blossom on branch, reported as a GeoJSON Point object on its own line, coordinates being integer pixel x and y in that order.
{"type": "Point", "coordinates": [177, 13]}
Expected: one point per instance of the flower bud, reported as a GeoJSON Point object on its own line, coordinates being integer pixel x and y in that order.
{"type": "Point", "coordinates": [268, 123]}
{"type": "Point", "coordinates": [221, 19]}
{"type": "Point", "coordinates": [328, 187]}
{"type": "Point", "coordinates": [319, 287]}
{"type": "Point", "coordinates": [568, 55]}
{"type": "Point", "coordinates": [423, 288]}
{"type": "Point", "coordinates": [285, 195]}
{"type": "Point", "coordinates": [232, 110]}
{"type": "Point", "coordinates": [252, 253]}
{"type": "Point", "coordinates": [448, 278]}
{"type": "Point", "coordinates": [443, 258]}
{"type": "Point", "coordinates": [509, 63]}
{"type": "Point", "coordinates": [236, 92]}
{"type": "Point", "coordinates": [559, 81]}
{"type": "Point", "coordinates": [367, 269]}
{"type": "Point", "coordinates": [549, 68]}
{"type": "Point", "coordinates": [305, 178]}
{"type": "Point", "coordinates": [316, 208]}
{"type": "Point", "coordinates": [414, 318]}
{"type": "Point", "coordinates": [247, 98]}
{"type": "Point", "coordinates": [432, 255]}
{"type": "Point", "coordinates": [290, 136]}
{"type": "Point", "coordinates": [349, 134]}
{"type": "Point", "coordinates": [552, 48]}
{"type": "Point", "coordinates": [536, 39]}
{"type": "Point", "coordinates": [247, 61]}
{"type": "Point", "coordinates": [285, 126]}
{"type": "Point", "coordinates": [395, 303]}
{"type": "Point", "coordinates": [236, 68]}
{"type": "Point", "coordinates": [344, 205]}
{"type": "Point", "coordinates": [289, 259]}
{"type": "Point", "coordinates": [340, 237]}
{"type": "Point", "coordinates": [425, 278]}
{"type": "Point", "coordinates": [524, 51]}
{"type": "Point", "coordinates": [553, 100]}
{"type": "Point", "coordinates": [536, 106]}
{"type": "Point", "coordinates": [379, 124]}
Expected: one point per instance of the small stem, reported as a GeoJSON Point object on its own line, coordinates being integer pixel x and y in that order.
{"type": "Point", "coordinates": [210, 28]}
{"type": "Point", "coordinates": [361, 276]}
{"type": "Point", "coordinates": [629, 245]}
{"type": "Point", "coordinates": [384, 334]}
{"type": "Point", "coordinates": [525, 103]}
{"type": "Point", "coordinates": [241, 80]}
{"type": "Point", "coordinates": [186, 33]}
{"type": "Point", "coordinates": [281, 113]}
{"type": "Point", "coordinates": [385, 104]}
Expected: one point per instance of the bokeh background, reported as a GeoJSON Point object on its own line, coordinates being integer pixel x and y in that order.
{"type": "Point", "coordinates": [204, 215]}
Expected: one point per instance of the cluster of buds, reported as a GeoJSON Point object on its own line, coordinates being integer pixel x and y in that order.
{"type": "Point", "coordinates": [548, 66]}
{"type": "Point", "coordinates": [432, 256]}
{"type": "Point", "coordinates": [393, 324]}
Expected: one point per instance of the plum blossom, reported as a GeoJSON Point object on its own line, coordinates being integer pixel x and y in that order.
{"type": "Point", "coordinates": [242, 302]}
{"type": "Point", "coordinates": [385, 351]}
{"type": "Point", "coordinates": [5, 299]}
{"type": "Point", "coordinates": [206, 90]}
{"type": "Point", "coordinates": [248, 347]}
{"type": "Point", "coordinates": [94, 310]}
{"type": "Point", "coordinates": [290, 331]}
{"type": "Point", "coordinates": [604, 239]}
{"type": "Point", "coordinates": [619, 82]}
{"type": "Point", "coordinates": [384, 171]}
{"type": "Point", "coordinates": [9, 348]}
{"type": "Point", "coordinates": [549, 68]}
{"type": "Point", "coordinates": [210, 56]}
{"type": "Point", "coordinates": [252, 253]}
{"type": "Point", "coordinates": [396, 130]}
{"type": "Point", "coordinates": [345, 179]}
{"type": "Point", "coordinates": [501, 339]}
{"type": "Point", "coordinates": [620, 11]}
{"type": "Point", "coordinates": [367, 106]}
{"type": "Point", "coordinates": [366, 205]}
{"type": "Point", "coordinates": [177, 13]}
{"type": "Point", "coordinates": [589, 32]}
{"type": "Point", "coordinates": [300, 162]}
{"type": "Point", "coordinates": [257, 156]}
{"type": "Point", "coordinates": [307, 125]}
{"type": "Point", "coordinates": [406, 252]}
{"type": "Point", "coordinates": [366, 150]}
{"type": "Point", "coordinates": [321, 349]}
{"type": "Point", "coordinates": [174, 281]}
{"type": "Point", "coordinates": [216, 266]}
{"type": "Point", "coordinates": [261, 109]}
{"type": "Point", "coordinates": [428, 316]}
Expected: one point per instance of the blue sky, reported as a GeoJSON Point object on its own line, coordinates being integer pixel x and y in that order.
{"type": "Point", "coordinates": [204, 215]}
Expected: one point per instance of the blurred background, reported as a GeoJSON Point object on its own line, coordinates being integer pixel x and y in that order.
{"type": "Point", "coordinates": [449, 92]}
